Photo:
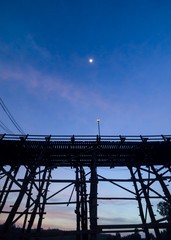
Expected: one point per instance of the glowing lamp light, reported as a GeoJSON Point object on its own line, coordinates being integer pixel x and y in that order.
{"type": "Point", "coordinates": [98, 120]}
{"type": "Point", "coordinates": [90, 60]}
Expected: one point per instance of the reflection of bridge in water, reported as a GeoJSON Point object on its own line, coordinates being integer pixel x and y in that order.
{"type": "Point", "coordinates": [147, 159]}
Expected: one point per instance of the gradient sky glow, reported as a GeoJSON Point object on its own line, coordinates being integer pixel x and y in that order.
{"type": "Point", "coordinates": [50, 87]}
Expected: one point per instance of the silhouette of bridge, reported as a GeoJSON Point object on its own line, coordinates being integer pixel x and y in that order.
{"type": "Point", "coordinates": [146, 158]}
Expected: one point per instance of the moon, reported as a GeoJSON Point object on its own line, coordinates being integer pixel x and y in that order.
{"type": "Point", "coordinates": [90, 60]}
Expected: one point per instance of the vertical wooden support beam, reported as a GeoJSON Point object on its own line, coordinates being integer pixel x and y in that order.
{"type": "Point", "coordinates": [37, 202]}
{"type": "Point", "coordinates": [140, 205]}
{"type": "Point", "coordinates": [77, 210]}
{"type": "Point", "coordinates": [27, 206]}
{"type": "Point", "coordinates": [153, 220]}
{"type": "Point", "coordinates": [146, 210]}
{"type": "Point", "coordinates": [83, 204]}
{"type": "Point", "coordinates": [42, 208]}
{"type": "Point", "coordinates": [93, 199]}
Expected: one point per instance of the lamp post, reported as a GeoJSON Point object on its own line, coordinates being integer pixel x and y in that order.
{"type": "Point", "coordinates": [98, 122]}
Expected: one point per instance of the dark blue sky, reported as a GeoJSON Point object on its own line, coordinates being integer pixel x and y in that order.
{"type": "Point", "coordinates": [49, 85]}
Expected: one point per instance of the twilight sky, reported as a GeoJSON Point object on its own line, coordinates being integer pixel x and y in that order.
{"type": "Point", "coordinates": [49, 85]}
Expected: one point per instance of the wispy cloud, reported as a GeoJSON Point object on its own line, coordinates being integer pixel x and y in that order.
{"type": "Point", "coordinates": [43, 52]}
{"type": "Point", "coordinates": [114, 220]}
{"type": "Point", "coordinates": [21, 66]}
{"type": "Point", "coordinates": [49, 84]}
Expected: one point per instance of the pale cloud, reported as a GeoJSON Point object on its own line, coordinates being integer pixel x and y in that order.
{"type": "Point", "coordinates": [21, 71]}
{"type": "Point", "coordinates": [43, 52]}
{"type": "Point", "coordinates": [47, 84]}
{"type": "Point", "coordinates": [66, 214]}
{"type": "Point", "coordinates": [114, 220]}
{"type": "Point", "coordinates": [28, 77]}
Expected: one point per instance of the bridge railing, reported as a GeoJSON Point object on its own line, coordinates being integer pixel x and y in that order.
{"type": "Point", "coordinates": [89, 138]}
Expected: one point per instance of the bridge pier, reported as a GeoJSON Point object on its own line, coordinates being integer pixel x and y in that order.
{"type": "Point", "coordinates": [146, 231]}
{"type": "Point", "coordinates": [149, 207]}
{"type": "Point", "coordinates": [77, 210]}
{"type": "Point", "coordinates": [93, 199]}
{"type": "Point", "coordinates": [81, 205]}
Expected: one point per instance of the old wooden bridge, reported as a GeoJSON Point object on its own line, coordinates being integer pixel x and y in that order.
{"type": "Point", "coordinates": [147, 160]}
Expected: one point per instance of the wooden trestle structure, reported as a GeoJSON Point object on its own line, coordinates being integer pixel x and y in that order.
{"type": "Point", "coordinates": [41, 155]}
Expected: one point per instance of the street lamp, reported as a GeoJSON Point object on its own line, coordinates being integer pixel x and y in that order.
{"type": "Point", "coordinates": [98, 122]}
